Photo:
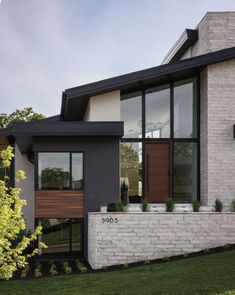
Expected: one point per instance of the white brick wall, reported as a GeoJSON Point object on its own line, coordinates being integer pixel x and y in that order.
{"type": "Point", "coordinates": [216, 31]}
{"type": "Point", "coordinates": [220, 141]}
{"type": "Point", "coordinates": [145, 236]}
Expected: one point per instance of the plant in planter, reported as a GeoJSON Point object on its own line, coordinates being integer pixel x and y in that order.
{"type": "Point", "coordinates": [170, 205]}
{"type": "Point", "coordinates": [144, 205]}
{"type": "Point", "coordinates": [111, 207]}
{"type": "Point", "coordinates": [80, 266]}
{"type": "Point", "coordinates": [218, 206]}
{"type": "Point", "coordinates": [196, 206]}
{"type": "Point", "coordinates": [67, 269]}
{"type": "Point", "coordinates": [124, 192]}
{"type": "Point", "coordinates": [120, 207]}
{"type": "Point", "coordinates": [38, 270]}
{"type": "Point", "coordinates": [52, 270]}
{"type": "Point", "coordinates": [233, 205]}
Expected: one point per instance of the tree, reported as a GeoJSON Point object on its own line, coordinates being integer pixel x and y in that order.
{"type": "Point", "coordinates": [19, 116]}
{"type": "Point", "coordinates": [13, 245]}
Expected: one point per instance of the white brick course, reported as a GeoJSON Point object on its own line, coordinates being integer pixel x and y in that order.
{"type": "Point", "coordinates": [145, 236]}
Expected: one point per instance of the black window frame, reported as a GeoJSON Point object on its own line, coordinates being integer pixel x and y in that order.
{"type": "Point", "coordinates": [171, 139]}
{"type": "Point", "coordinates": [70, 252]}
{"type": "Point", "coordinates": [70, 169]}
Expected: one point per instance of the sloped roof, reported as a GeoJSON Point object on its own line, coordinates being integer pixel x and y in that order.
{"type": "Point", "coordinates": [74, 100]}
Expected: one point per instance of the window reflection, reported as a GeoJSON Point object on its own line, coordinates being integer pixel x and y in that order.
{"type": "Point", "coordinates": [56, 173]}
{"type": "Point", "coordinates": [185, 109]}
{"type": "Point", "coordinates": [185, 172]}
{"type": "Point", "coordinates": [53, 171]}
{"type": "Point", "coordinates": [158, 112]}
{"type": "Point", "coordinates": [131, 169]}
{"type": "Point", "coordinates": [131, 114]}
{"type": "Point", "coordinates": [77, 170]}
{"type": "Point", "coordinates": [61, 235]}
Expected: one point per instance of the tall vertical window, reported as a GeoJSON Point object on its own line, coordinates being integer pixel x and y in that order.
{"type": "Point", "coordinates": [185, 171]}
{"type": "Point", "coordinates": [131, 169]}
{"type": "Point", "coordinates": [157, 123]}
{"type": "Point", "coordinates": [185, 109]}
{"type": "Point", "coordinates": [60, 171]}
{"type": "Point", "coordinates": [131, 114]}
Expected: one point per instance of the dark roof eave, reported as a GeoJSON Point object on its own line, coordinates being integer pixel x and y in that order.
{"type": "Point", "coordinates": [65, 129]}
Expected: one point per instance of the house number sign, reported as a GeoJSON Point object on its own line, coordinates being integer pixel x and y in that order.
{"type": "Point", "coordinates": [109, 220]}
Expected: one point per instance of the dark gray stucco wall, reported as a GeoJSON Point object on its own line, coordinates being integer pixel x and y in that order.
{"type": "Point", "coordinates": [101, 168]}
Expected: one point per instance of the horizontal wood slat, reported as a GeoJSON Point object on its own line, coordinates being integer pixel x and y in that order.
{"type": "Point", "coordinates": [59, 204]}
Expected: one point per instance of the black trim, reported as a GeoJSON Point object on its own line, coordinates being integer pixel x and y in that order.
{"type": "Point", "coordinates": [77, 97]}
{"type": "Point", "coordinates": [192, 37]}
{"type": "Point", "coordinates": [70, 169]}
{"type": "Point", "coordinates": [70, 252]}
{"type": "Point", "coordinates": [81, 128]}
{"type": "Point", "coordinates": [171, 140]}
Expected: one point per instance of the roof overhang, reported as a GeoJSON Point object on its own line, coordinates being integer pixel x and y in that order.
{"type": "Point", "coordinates": [75, 99]}
{"type": "Point", "coordinates": [187, 39]}
{"type": "Point", "coordinates": [25, 132]}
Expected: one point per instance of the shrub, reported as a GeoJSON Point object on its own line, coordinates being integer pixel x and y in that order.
{"type": "Point", "coordinates": [227, 246]}
{"type": "Point", "coordinates": [24, 272]}
{"type": "Point", "coordinates": [67, 269]}
{"type": "Point", "coordinates": [218, 205]}
{"type": "Point", "coordinates": [15, 240]}
{"type": "Point", "coordinates": [111, 207]}
{"type": "Point", "coordinates": [52, 270]}
{"type": "Point", "coordinates": [37, 271]}
{"type": "Point", "coordinates": [233, 205]}
{"type": "Point", "coordinates": [126, 265]}
{"type": "Point", "coordinates": [81, 267]}
{"type": "Point", "coordinates": [170, 205]}
{"type": "Point", "coordinates": [124, 192]}
{"type": "Point", "coordinates": [144, 206]}
{"type": "Point", "coordinates": [206, 251]}
{"type": "Point", "coordinates": [146, 262]}
{"type": "Point", "coordinates": [196, 206]}
{"type": "Point", "coordinates": [120, 207]}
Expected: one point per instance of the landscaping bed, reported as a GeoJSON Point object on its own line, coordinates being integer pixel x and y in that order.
{"type": "Point", "coordinates": [39, 268]}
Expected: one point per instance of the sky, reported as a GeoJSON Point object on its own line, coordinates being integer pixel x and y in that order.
{"type": "Point", "coordinates": [47, 46]}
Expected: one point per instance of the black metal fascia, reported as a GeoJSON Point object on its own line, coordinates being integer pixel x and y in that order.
{"type": "Point", "coordinates": [65, 129]}
{"type": "Point", "coordinates": [192, 37]}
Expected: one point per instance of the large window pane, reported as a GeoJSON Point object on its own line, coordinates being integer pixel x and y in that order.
{"type": "Point", "coordinates": [185, 109]}
{"type": "Point", "coordinates": [56, 235]}
{"type": "Point", "coordinates": [158, 112]}
{"type": "Point", "coordinates": [131, 169]}
{"type": "Point", "coordinates": [131, 114]}
{"type": "Point", "coordinates": [76, 235]}
{"type": "Point", "coordinates": [77, 170]}
{"type": "Point", "coordinates": [61, 235]}
{"type": "Point", "coordinates": [185, 172]}
{"type": "Point", "coordinates": [53, 171]}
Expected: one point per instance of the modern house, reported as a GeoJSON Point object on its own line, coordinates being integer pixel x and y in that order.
{"type": "Point", "coordinates": [166, 132]}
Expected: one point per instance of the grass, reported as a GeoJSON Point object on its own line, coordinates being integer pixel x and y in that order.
{"type": "Point", "coordinates": [211, 274]}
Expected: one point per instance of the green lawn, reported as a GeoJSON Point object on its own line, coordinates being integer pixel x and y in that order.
{"type": "Point", "coordinates": [212, 274]}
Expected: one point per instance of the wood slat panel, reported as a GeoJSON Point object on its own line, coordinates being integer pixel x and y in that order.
{"type": "Point", "coordinates": [157, 165]}
{"type": "Point", "coordinates": [59, 204]}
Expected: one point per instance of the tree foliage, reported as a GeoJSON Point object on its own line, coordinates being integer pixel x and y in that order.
{"type": "Point", "coordinates": [12, 223]}
{"type": "Point", "coordinates": [19, 116]}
